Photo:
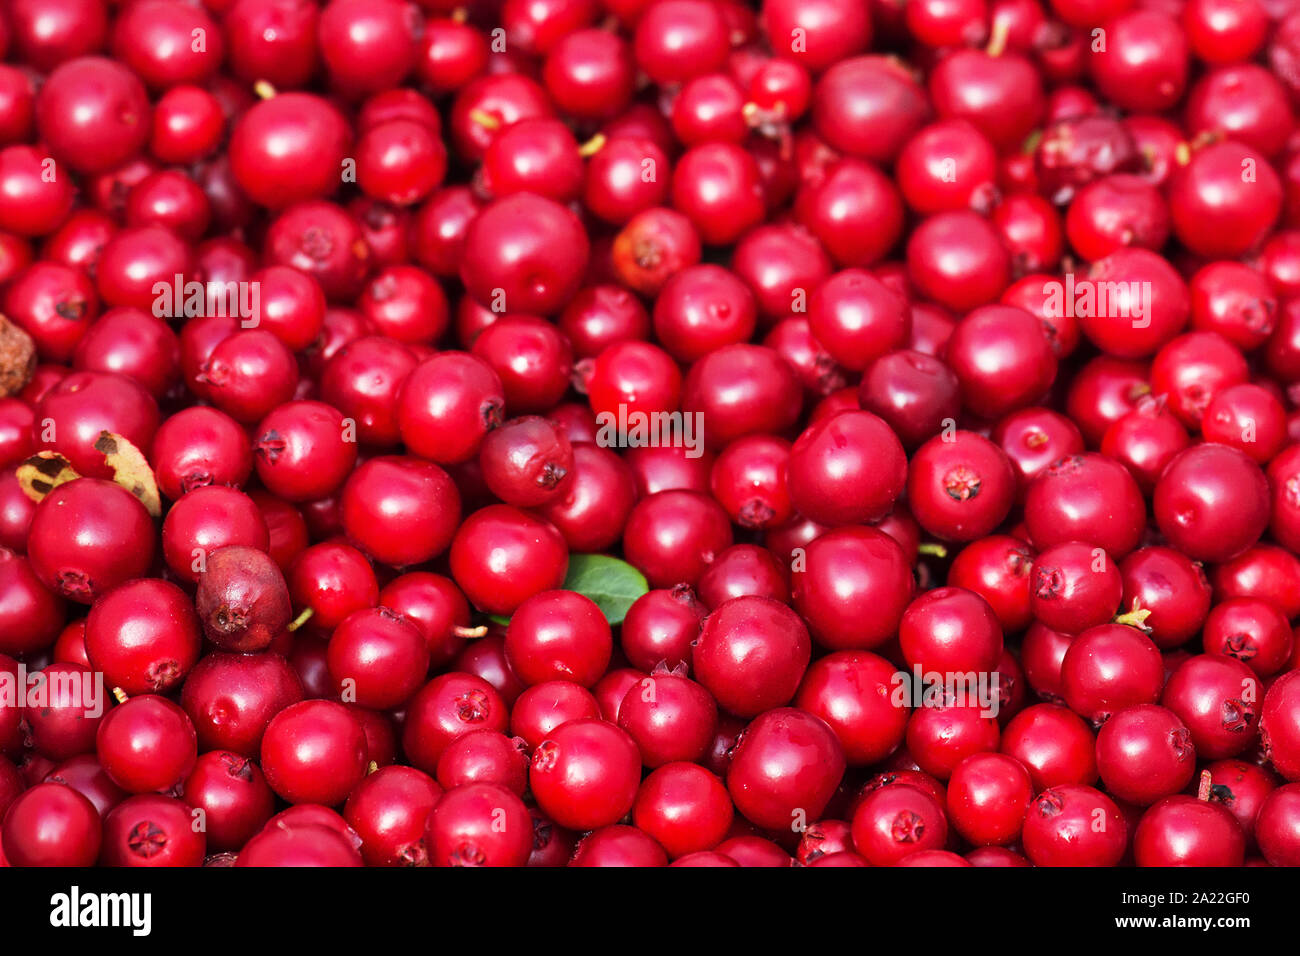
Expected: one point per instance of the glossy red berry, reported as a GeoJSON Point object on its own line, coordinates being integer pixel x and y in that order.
{"type": "Point", "coordinates": [485, 756]}
{"type": "Point", "coordinates": [894, 822]}
{"type": "Point", "coordinates": [854, 692]}
{"type": "Point", "coordinates": [1210, 502]}
{"type": "Point", "coordinates": [997, 568]}
{"type": "Point", "coordinates": [73, 714]}
{"type": "Point", "coordinates": [88, 536]}
{"type": "Point", "coordinates": [558, 635]}
{"type": "Point", "coordinates": [1252, 631]}
{"type": "Point", "coordinates": [915, 393]}
{"type": "Point", "coordinates": [1002, 360]}
{"type": "Point", "coordinates": [51, 825]}
{"type": "Point", "coordinates": [448, 707]}
{"type": "Point", "coordinates": [143, 636]}
{"type": "Point", "coordinates": [146, 744]}
{"type": "Point", "coordinates": [534, 269]}
{"type": "Point", "coordinates": [1218, 698]}
{"type": "Point", "coordinates": [585, 774]}
{"type": "Point", "coordinates": [377, 659]}
{"type": "Point", "coordinates": [526, 462]}
{"type": "Point", "coordinates": [960, 486]}
{"type": "Point", "coordinates": [1145, 439]}
{"type": "Point", "coordinates": [751, 655]}
{"type": "Point", "coordinates": [1074, 587]}
{"type": "Point", "coordinates": [1145, 753]}
{"type": "Point", "coordinates": [852, 586]}
{"type": "Point", "coordinates": [673, 536]}
{"type": "Point", "coordinates": [501, 556]}
{"type": "Point", "coordinates": [306, 843]}
{"type": "Point", "coordinates": [1279, 725]}
{"type": "Point", "coordinates": [988, 798]}
{"type": "Point", "coordinates": [94, 113]}
{"type": "Point", "coordinates": [231, 791]}
{"type": "Point", "coordinates": [197, 447]}
{"type": "Point", "coordinates": [1170, 586]}
{"type": "Point", "coordinates": [618, 845]}
{"type": "Point", "coordinates": [1074, 825]}
{"type": "Point", "coordinates": [1087, 498]}
{"type": "Point", "coordinates": [31, 613]}
{"type": "Point", "coordinates": [446, 406]}
{"type": "Point", "coordinates": [785, 767]}
{"type": "Point", "coordinates": [400, 510]}
{"type": "Point", "coordinates": [846, 469]}
{"type": "Point", "coordinates": [950, 630]}
{"type": "Point", "coordinates": [539, 709]}
{"type": "Point", "coordinates": [1184, 831]}
{"type": "Point", "coordinates": [678, 39]}
{"type": "Point", "coordinates": [76, 412]}
{"type": "Point", "coordinates": [152, 830]}
{"type": "Point", "coordinates": [739, 390]}
{"type": "Point", "coordinates": [314, 752]}
{"type": "Point", "coordinates": [206, 519]}
{"type": "Point", "coordinates": [230, 698]}
{"type": "Point", "coordinates": [661, 626]}
{"type": "Point", "coordinates": [1054, 744]}
{"type": "Point", "coordinates": [479, 824]}
{"type": "Point", "coordinates": [388, 810]}
{"type": "Point", "coordinates": [1108, 668]}
{"type": "Point", "coordinates": [1216, 212]}
{"type": "Point", "coordinates": [684, 807]}
{"type": "Point", "coordinates": [288, 149]}
{"type": "Point", "coordinates": [958, 260]}
{"type": "Point", "coordinates": [1277, 827]}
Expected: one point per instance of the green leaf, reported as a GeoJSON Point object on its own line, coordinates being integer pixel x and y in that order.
{"type": "Point", "coordinates": [612, 584]}
{"type": "Point", "coordinates": [499, 619]}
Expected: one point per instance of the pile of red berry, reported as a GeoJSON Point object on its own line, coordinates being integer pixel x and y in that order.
{"type": "Point", "coordinates": [615, 432]}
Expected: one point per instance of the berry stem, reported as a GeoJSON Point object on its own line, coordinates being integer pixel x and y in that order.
{"type": "Point", "coordinates": [301, 619]}
{"type": "Point", "coordinates": [485, 119]}
{"type": "Point", "coordinates": [1135, 618]}
{"type": "Point", "coordinates": [592, 146]}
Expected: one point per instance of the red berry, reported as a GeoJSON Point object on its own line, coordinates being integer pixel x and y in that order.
{"type": "Point", "coordinates": [1073, 825]}
{"type": "Point", "coordinates": [1210, 502]}
{"type": "Point", "coordinates": [146, 744]}
{"type": "Point", "coordinates": [143, 636]}
{"type": "Point", "coordinates": [388, 810]}
{"type": "Point", "coordinates": [751, 655]}
{"type": "Point", "coordinates": [988, 797]}
{"type": "Point", "coordinates": [501, 556]}
{"type": "Point", "coordinates": [558, 635]}
{"type": "Point", "coordinates": [785, 769]}
{"type": "Point", "coordinates": [51, 825]}
{"type": "Point", "coordinates": [88, 536]}
{"type": "Point", "coordinates": [852, 586]}
{"type": "Point", "coordinates": [479, 824]}
{"type": "Point", "coordinates": [846, 469]}
{"type": "Point", "coordinates": [400, 510]}
{"type": "Point", "coordinates": [894, 822]}
{"type": "Point", "coordinates": [314, 752]}
{"type": "Point", "coordinates": [960, 486]}
{"type": "Point", "coordinates": [1184, 831]}
{"type": "Point", "coordinates": [585, 775]}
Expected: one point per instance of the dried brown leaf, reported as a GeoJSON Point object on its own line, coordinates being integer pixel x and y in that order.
{"type": "Point", "coordinates": [42, 473]}
{"type": "Point", "coordinates": [130, 470]}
